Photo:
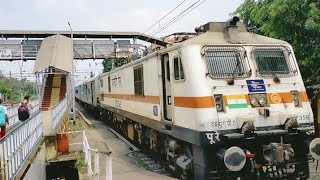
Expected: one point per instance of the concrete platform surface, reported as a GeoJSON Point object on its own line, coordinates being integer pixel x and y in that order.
{"type": "Point", "coordinates": [123, 166]}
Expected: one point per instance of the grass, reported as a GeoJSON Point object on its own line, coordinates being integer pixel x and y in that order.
{"type": "Point", "coordinates": [78, 126]}
{"type": "Point", "coordinates": [58, 155]}
{"type": "Point", "coordinates": [80, 162]}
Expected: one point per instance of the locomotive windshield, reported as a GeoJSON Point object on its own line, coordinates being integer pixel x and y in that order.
{"type": "Point", "coordinates": [226, 62]}
{"type": "Point", "coordinates": [273, 62]}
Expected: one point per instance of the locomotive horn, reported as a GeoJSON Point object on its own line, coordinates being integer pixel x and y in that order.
{"type": "Point", "coordinates": [233, 158]}
{"type": "Point", "coordinates": [233, 21]}
{"type": "Point", "coordinates": [314, 148]}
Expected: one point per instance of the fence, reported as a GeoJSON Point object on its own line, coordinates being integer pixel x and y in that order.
{"type": "Point", "coordinates": [57, 112]}
{"type": "Point", "coordinates": [17, 145]}
{"type": "Point", "coordinates": [13, 112]}
{"type": "Point", "coordinates": [95, 161]}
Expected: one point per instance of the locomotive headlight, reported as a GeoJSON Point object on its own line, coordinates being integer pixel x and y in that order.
{"type": "Point", "coordinates": [219, 102]}
{"type": "Point", "coordinates": [254, 101]}
{"type": "Point", "coordinates": [233, 158]}
{"type": "Point", "coordinates": [314, 148]}
{"type": "Point", "coordinates": [258, 100]}
{"type": "Point", "coordinates": [295, 97]}
{"type": "Point", "coordinates": [262, 100]}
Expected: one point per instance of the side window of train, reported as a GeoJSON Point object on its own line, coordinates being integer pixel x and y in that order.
{"type": "Point", "coordinates": [138, 80]}
{"type": "Point", "coordinates": [178, 69]}
{"type": "Point", "coordinates": [109, 84]}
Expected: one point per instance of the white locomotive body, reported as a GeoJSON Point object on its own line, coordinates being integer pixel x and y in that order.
{"type": "Point", "coordinates": [223, 94]}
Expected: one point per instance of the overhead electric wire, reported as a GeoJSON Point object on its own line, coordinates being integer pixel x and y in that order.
{"type": "Point", "coordinates": [179, 16]}
{"type": "Point", "coordinates": [175, 17]}
{"type": "Point", "coordinates": [165, 16]}
{"type": "Point", "coordinates": [162, 18]}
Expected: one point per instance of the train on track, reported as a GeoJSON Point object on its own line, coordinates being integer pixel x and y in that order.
{"type": "Point", "coordinates": [222, 104]}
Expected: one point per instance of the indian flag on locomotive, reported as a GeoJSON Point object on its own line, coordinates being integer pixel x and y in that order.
{"type": "Point", "coordinates": [236, 101]}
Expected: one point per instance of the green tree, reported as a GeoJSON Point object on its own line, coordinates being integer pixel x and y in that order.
{"type": "Point", "coordinates": [4, 87]}
{"type": "Point", "coordinates": [13, 88]}
{"type": "Point", "coordinates": [107, 65]}
{"type": "Point", "coordinates": [295, 21]}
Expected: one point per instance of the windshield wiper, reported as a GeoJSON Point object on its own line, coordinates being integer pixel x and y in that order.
{"type": "Point", "coordinates": [235, 69]}
{"type": "Point", "coordinates": [231, 81]}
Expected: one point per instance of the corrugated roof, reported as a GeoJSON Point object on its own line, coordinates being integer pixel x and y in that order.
{"type": "Point", "coordinates": [55, 51]}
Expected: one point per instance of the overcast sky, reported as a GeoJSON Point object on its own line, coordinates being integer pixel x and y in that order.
{"type": "Point", "coordinates": [105, 15]}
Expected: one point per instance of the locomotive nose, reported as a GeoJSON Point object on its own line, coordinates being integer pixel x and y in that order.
{"type": "Point", "coordinates": [314, 148]}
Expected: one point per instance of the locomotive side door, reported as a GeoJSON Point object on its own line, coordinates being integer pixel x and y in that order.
{"type": "Point", "coordinates": [166, 87]}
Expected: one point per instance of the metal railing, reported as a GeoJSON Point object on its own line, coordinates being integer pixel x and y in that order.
{"type": "Point", "coordinates": [20, 50]}
{"type": "Point", "coordinates": [92, 158]}
{"type": "Point", "coordinates": [13, 112]}
{"type": "Point", "coordinates": [16, 146]}
{"type": "Point", "coordinates": [83, 49]}
{"type": "Point", "coordinates": [57, 112]}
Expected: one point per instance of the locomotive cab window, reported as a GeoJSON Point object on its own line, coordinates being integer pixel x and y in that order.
{"type": "Point", "coordinates": [227, 62]}
{"type": "Point", "coordinates": [178, 69]}
{"type": "Point", "coordinates": [138, 80]}
{"type": "Point", "coordinates": [273, 61]}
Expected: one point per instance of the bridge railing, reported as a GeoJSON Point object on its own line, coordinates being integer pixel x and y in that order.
{"type": "Point", "coordinates": [57, 113]}
{"type": "Point", "coordinates": [36, 106]}
{"type": "Point", "coordinates": [83, 49]}
{"type": "Point", "coordinates": [13, 112]}
{"type": "Point", "coordinates": [16, 146]}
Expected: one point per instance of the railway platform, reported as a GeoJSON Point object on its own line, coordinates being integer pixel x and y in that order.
{"type": "Point", "coordinates": [123, 166]}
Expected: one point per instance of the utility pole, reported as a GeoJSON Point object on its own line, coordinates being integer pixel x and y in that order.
{"type": "Point", "coordinates": [73, 79]}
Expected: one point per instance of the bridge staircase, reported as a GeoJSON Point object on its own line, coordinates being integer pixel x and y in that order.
{"type": "Point", "coordinates": [46, 100]}
{"type": "Point", "coordinates": [54, 90]}
{"type": "Point", "coordinates": [63, 88]}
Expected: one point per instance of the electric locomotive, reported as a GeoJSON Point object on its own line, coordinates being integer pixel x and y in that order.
{"type": "Point", "coordinates": [224, 104]}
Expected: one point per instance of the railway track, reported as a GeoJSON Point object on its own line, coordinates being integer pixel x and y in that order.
{"type": "Point", "coordinates": [142, 158]}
